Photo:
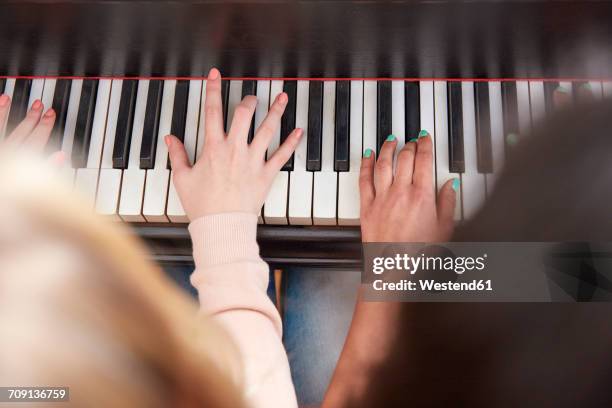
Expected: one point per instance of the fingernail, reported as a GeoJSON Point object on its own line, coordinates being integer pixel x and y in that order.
{"type": "Point", "coordinates": [587, 86]}
{"type": "Point", "coordinates": [213, 73]}
{"type": "Point", "coordinates": [390, 138]}
{"type": "Point", "coordinates": [37, 105]}
{"type": "Point", "coordinates": [167, 140]}
{"type": "Point", "coordinates": [50, 113]}
{"type": "Point", "coordinates": [456, 184]}
{"type": "Point", "coordinates": [414, 139]}
{"type": "Point", "coordinates": [283, 98]}
{"type": "Point", "coordinates": [4, 99]}
{"type": "Point", "coordinates": [299, 132]}
{"type": "Point", "coordinates": [367, 153]}
{"type": "Point", "coordinates": [423, 133]}
{"type": "Point", "coordinates": [512, 139]}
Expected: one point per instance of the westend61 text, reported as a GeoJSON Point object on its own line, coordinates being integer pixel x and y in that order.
{"type": "Point", "coordinates": [432, 285]}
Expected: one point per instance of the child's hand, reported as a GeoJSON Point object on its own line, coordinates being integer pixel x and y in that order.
{"type": "Point", "coordinates": [33, 131]}
{"type": "Point", "coordinates": [401, 207]}
{"type": "Point", "coordinates": [230, 175]}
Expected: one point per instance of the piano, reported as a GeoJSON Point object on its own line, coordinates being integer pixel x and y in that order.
{"type": "Point", "coordinates": [120, 75]}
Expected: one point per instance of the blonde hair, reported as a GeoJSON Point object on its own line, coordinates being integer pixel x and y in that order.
{"type": "Point", "coordinates": [80, 306]}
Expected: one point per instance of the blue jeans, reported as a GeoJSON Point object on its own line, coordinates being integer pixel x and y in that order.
{"type": "Point", "coordinates": [318, 306]}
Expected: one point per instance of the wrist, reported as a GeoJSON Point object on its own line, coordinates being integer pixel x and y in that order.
{"type": "Point", "coordinates": [224, 238]}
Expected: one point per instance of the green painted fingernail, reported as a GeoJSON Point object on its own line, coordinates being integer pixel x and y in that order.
{"type": "Point", "coordinates": [367, 153]}
{"type": "Point", "coordinates": [414, 139]}
{"type": "Point", "coordinates": [587, 86]}
{"type": "Point", "coordinates": [423, 133]}
{"type": "Point", "coordinates": [562, 89]}
{"type": "Point", "coordinates": [390, 138]}
{"type": "Point", "coordinates": [512, 139]}
{"type": "Point", "coordinates": [456, 184]}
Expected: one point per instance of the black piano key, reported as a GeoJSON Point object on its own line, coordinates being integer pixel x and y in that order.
{"type": "Point", "coordinates": [510, 112]}
{"type": "Point", "coordinates": [549, 91]}
{"type": "Point", "coordinates": [484, 158]}
{"type": "Point", "coordinates": [249, 87]}
{"type": "Point", "coordinates": [412, 104]}
{"type": "Point", "coordinates": [61, 98]}
{"type": "Point", "coordinates": [342, 126]}
{"type": "Point", "coordinates": [455, 128]}
{"type": "Point", "coordinates": [383, 112]}
{"type": "Point", "coordinates": [315, 126]}
{"type": "Point", "coordinates": [179, 112]}
{"type": "Point", "coordinates": [151, 125]}
{"type": "Point", "coordinates": [2, 85]}
{"type": "Point", "coordinates": [125, 122]}
{"type": "Point", "coordinates": [225, 100]}
{"type": "Point", "coordinates": [84, 123]}
{"type": "Point", "coordinates": [19, 103]}
{"type": "Point", "coordinates": [288, 119]}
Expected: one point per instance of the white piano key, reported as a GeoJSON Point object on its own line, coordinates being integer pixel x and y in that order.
{"type": "Point", "coordinates": [175, 210]}
{"type": "Point", "coordinates": [9, 88]}
{"type": "Point", "coordinates": [202, 125]}
{"type": "Point", "coordinates": [300, 180]}
{"type": "Point", "coordinates": [567, 86]}
{"type": "Point", "coordinates": [524, 107]}
{"type": "Point", "coordinates": [473, 183]}
{"type": "Point", "coordinates": [156, 184]}
{"type": "Point", "coordinates": [607, 89]}
{"type": "Point", "coordinates": [497, 134]}
{"type": "Point", "coordinates": [538, 101]}
{"type": "Point", "coordinates": [443, 173]}
{"type": "Point", "coordinates": [67, 171]}
{"type": "Point", "coordinates": [107, 198]}
{"type": "Point", "coordinates": [48, 92]}
{"type": "Point", "coordinates": [596, 88]}
{"type": "Point", "coordinates": [275, 206]}
{"type": "Point", "coordinates": [132, 185]}
{"type": "Point", "coordinates": [234, 98]}
{"type": "Point", "coordinates": [36, 91]}
{"type": "Point", "coordinates": [326, 181]}
{"type": "Point", "coordinates": [263, 103]}
{"type": "Point", "coordinates": [428, 117]}
{"type": "Point", "coordinates": [87, 178]}
{"type": "Point", "coordinates": [348, 182]}
{"type": "Point", "coordinates": [369, 115]}
{"type": "Point", "coordinates": [398, 112]}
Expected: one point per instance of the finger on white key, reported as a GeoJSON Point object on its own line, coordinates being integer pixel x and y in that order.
{"type": "Point", "coordinates": [42, 132]}
{"type": "Point", "coordinates": [27, 125]}
{"type": "Point", "coordinates": [36, 92]}
{"type": "Point", "coordinates": [442, 154]}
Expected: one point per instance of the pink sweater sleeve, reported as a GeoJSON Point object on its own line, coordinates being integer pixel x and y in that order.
{"type": "Point", "coordinates": [231, 280]}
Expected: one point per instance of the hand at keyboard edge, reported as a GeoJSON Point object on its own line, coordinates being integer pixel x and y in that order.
{"type": "Point", "coordinates": [401, 207]}
{"type": "Point", "coordinates": [34, 130]}
{"type": "Point", "coordinates": [230, 175]}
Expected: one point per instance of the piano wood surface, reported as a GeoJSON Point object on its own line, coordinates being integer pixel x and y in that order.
{"type": "Point", "coordinates": [280, 246]}
{"type": "Point", "coordinates": [416, 39]}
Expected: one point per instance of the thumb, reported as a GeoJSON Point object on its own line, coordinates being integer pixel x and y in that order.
{"type": "Point", "coordinates": [447, 200]}
{"type": "Point", "coordinates": [177, 153]}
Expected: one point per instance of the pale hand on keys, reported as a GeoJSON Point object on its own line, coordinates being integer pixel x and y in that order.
{"type": "Point", "coordinates": [231, 175]}
{"type": "Point", "coordinates": [34, 130]}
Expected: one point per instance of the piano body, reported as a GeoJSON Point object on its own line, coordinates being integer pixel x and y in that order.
{"type": "Point", "coordinates": [120, 75]}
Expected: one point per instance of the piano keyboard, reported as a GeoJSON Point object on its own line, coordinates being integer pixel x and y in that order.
{"type": "Point", "coordinates": [112, 132]}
